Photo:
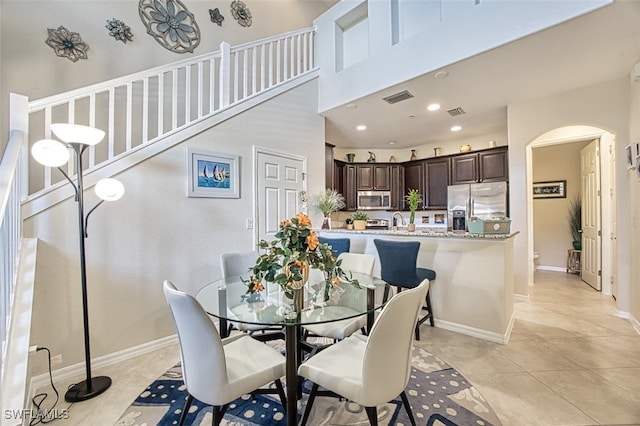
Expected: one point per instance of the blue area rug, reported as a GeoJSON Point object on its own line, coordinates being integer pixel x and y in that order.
{"type": "Point", "coordinates": [438, 394]}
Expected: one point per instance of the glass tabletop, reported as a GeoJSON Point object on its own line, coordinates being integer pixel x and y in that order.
{"type": "Point", "coordinates": [226, 299]}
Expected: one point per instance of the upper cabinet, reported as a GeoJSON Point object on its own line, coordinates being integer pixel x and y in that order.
{"type": "Point", "coordinates": [436, 171]}
{"type": "Point", "coordinates": [373, 177]}
{"type": "Point", "coordinates": [484, 166]}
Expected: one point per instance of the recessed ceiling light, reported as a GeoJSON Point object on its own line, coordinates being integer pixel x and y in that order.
{"type": "Point", "coordinates": [392, 142]}
{"type": "Point", "coordinates": [361, 127]}
{"type": "Point", "coordinates": [433, 107]}
{"type": "Point", "coordinates": [441, 74]}
{"type": "Point", "coordinates": [456, 128]}
{"type": "Point", "coordinates": [353, 106]}
{"type": "Point", "coordinates": [412, 116]}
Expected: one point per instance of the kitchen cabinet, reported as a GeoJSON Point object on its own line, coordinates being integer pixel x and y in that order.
{"type": "Point", "coordinates": [329, 167]}
{"type": "Point", "coordinates": [436, 171]}
{"type": "Point", "coordinates": [372, 177]}
{"type": "Point", "coordinates": [484, 166]}
{"type": "Point", "coordinates": [349, 189]}
{"type": "Point", "coordinates": [396, 178]}
{"type": "Point", "coordinates": [413, 179]}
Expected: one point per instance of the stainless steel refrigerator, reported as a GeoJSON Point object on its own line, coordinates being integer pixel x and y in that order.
{"type": "Point", "coordinates": [476, 199]}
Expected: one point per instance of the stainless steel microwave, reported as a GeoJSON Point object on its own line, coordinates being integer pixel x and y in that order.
{"type": "Point", "coordinates": [374, 200]}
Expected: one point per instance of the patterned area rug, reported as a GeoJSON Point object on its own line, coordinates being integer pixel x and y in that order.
{"type": "Point", "coordinates": [438, 394]}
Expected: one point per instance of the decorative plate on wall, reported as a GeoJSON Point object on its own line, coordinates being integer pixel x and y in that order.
{"type": "Point", "coordinates": [67, 44]}
{"type": "Point", "coordinates": [170, 24]}
{"type": "Point", "coordinates": [216, 16]}
{"type": "Point", "coordinates": [241, 13]}
{"type": "Point", "coordinates": [119, 31]}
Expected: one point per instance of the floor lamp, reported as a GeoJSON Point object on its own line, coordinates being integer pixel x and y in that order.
{"type": "Point", "coordinates": [52, 153]}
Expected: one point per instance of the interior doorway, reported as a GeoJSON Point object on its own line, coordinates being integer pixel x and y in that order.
{"type": "Point", "coordinates": [554, 143]}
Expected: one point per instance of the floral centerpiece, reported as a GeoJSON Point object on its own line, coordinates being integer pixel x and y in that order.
{"type": "Point", "coordinates": [286, 260]}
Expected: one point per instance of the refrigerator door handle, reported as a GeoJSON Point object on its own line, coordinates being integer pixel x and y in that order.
{"type": "Point", "coordinates": [472, 208]}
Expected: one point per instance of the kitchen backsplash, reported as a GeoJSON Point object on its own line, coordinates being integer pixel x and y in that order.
{"type": "Point", "coordinates": [425, 219]}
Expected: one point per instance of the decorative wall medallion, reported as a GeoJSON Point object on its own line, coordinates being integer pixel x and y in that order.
{"type": "Point", "coordinates": [170, 24]}
{"type": "Point", "coordinates": [67, 44]}
{"type": "Point", "coordinates": [119, 31]}
{"type": "Point", "coordinates": [241, 13]}
{"type": "Point", "coordinates": [216, 16]}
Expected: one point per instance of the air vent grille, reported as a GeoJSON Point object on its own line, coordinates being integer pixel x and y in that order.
{"type": "Point", "coordinates": [398, 97]}
{"type": "Point", "coordinates": [454, 112]}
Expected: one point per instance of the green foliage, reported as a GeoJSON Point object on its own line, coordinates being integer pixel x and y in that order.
{"type": "Point", "coordinates": [329, 201]}
{"type": "Point", "coordinates": [574, 218]}
{"type": "Point", "coordinates": [359, 216]}
{"type": "Point", "coordinates": [414, 199]}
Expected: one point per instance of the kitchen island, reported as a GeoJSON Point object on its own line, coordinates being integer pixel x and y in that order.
{"type": "Point", "coordinates": [473, 290]}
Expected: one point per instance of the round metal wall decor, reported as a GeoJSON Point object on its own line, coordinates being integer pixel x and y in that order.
{"type": "Point", "coordinates": [67, 44]}
{"type": "Point", "coordinates": [119, 31]}
{"type": "Point", "coordinates": [241, 13]}
{"type": "Point", "coordinates": [216, 16]}
{"type": "Point", "coordinates": [171, 24]}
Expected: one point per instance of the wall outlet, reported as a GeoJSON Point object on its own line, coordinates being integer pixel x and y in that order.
{"type": "Point", "coordinates": [56, 359]}
{"type": "Point", "coordinates": [249, 223]}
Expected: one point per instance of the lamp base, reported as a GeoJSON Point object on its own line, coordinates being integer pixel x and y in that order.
{"type": "Point", "coordinates": [81, 392]}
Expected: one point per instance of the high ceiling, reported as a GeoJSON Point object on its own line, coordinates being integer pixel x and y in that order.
{"type": "Point", "coordinates": [600, 46]}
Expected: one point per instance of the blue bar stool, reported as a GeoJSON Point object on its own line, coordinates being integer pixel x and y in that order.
{"type": "Point", "coordinates": [338, 245]}
{"type": "Point", "coordinates": [398, 260]}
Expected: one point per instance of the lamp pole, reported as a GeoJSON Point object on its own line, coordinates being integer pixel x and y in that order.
{"type": "Point", "coordinates": [91, 386]}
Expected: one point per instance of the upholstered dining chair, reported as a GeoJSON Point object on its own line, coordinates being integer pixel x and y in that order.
{"type": "Point", "coordinates": [398, 260]}
{"type": "Point", "coordinates": [338, 245]}
{"type": "Point", "coordinates": [238, 264]}
{"type": "Point", "coordinates": [374, 369]}
{"type": "Point", "coordinates": [354, 262]}
{"type": "Point", "coordinates": [217, 371]}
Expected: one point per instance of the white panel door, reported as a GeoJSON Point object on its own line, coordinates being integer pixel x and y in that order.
{"type": "Point", "coordinates": [279, 183]}
{"type": "Point", "coordinates": [590, 172]}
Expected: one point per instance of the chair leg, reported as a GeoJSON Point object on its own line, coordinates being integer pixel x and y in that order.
{"type": "Point", "coordinates": [307, 409]}
{"type": "Point", "coordinates": [185, 410]}
{"type": "Point", "coordinates": [418, 331]}
{"type": "Point", "coordinates": [217, 417]}
{"type": "Point", "coordinates": [405, 402]}
{"type": "Point", "coordinates": [430, 308]}
{"type": "Point", "coordinates": [283, 397]}
{"type": "Point", "coordinates": [372, 414]}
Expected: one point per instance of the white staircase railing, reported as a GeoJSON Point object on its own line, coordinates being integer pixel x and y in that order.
{"type": "Point", "coordinates": [142, 108]}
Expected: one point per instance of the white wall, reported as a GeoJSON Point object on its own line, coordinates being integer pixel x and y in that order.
{"type": "Point", "coordinates": [633, 191]}
{"type": "Point", "coordinates": [604, 105]}
{"type": "Point", "coordinates": [155, 232]}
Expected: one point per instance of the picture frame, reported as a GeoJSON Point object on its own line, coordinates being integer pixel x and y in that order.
{"type": "Point", "coordinates": [212, 174]}
{"type": "Point", "coordinates": [637, 167]}
{"type": "Point", "coordinates": [629, 157]}
{"type": "Point", "coordinates": [550, 189]}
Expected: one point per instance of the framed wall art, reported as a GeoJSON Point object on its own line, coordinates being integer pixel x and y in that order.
{"type": "Point", "coordinates": [629, 156]}
{"type": "Point", "coordinates": [212, 174]}
{"type": "Point", "coordinates": [550, 189]}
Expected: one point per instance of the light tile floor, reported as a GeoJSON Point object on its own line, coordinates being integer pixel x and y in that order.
{"type": "Point", "coordinates": [570, 361]}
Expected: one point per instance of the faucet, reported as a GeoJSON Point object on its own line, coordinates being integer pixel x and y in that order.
{"type": "Point", "coordinates": [395, 223]}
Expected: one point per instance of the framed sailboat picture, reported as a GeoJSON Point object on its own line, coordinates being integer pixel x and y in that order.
{"type": "Point", "coordinates": [212, 174]}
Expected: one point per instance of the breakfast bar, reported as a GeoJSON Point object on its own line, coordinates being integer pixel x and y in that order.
{"type": "Point", "coordinates": [473, 291]}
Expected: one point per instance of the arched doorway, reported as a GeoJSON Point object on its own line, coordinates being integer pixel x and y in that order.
{"type": "Point", "coordinates": [583, 134]}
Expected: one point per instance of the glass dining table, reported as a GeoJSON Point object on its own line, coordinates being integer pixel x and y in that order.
{"type": "Point", "coordinates": [226, 300]}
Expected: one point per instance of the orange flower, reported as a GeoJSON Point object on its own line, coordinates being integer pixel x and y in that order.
{"type": "Point", "coordinates": [303, 219]}
{"type": "Point", "coordinates": [312, 241]}
{"type": "Point", "coordinates": [257, 286]}
{"type": "Point", "coordinates": [335, 281]}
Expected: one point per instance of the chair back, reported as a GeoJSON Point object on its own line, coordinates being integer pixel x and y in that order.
{"type": "Point", "coordinates": [237, 263]}
{"type": "Point", "coordinates": [203, 362]}
{"type": "Point", "coordinates": [338, 245]}
{"type": "Point", "coordinates": [387, 358]}
{"type": "Point", "coordinates": [398, 260]}
{"type": "Point", "coordinates": [357, 262]}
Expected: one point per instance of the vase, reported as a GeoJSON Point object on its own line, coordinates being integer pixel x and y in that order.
{"type": "Point", "coordinates": [360, 224]}
{"type": "Point", "coordinates": [326, 223]}
{"type": "Point", "coordinates": [304, 272]}
{"type": "Point", "coordinates": [298, 299]}
{"type": "Point", "coordinates": [414, 157]}
{"type": "Point", "coordinates": [411, 227]}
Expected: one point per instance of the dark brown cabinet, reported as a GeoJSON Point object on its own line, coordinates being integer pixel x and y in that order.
{"type": "Point", "coordinates": [413, 179]}
{"type": "Point", "coordinates": [483, 166]}
{"type": "Point", "coordinates": [436, 172]}
{"type": "Point", "coordinates": [372, 177]}
{"type": "Point", "coordinates": [396, 178]}
{"type": "Point", "coordinates": [349, 190]}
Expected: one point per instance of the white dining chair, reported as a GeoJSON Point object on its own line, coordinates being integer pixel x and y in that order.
{"type": "Point", "coordinates": [370, 370]}
{"type": "Point", "coordinates": [238, 264]}
{"type": "Point", "coordinates": [338, 330]}
{"type": "Point", "coordinates": [217, 371]}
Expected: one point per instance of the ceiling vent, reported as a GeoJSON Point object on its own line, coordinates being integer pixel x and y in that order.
{"type": "Point", "coordinates": [454, 112]}
{"type": "Point", "coordinates": [398, 97]}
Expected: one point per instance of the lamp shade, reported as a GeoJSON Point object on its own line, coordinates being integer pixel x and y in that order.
{"type": "Point", "coordinates": [109, 189]}
{"type": "Point", "coordinates": [50, 153]}
{"type": "Point", "coordinates": [77, 133]}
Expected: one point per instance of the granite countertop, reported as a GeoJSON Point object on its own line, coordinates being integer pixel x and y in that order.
{"type": "Point", "coordinates": [422, 233]}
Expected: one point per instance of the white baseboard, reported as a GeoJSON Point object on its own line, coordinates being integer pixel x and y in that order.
{"type": "Point", "coordinates": [476, 332]}
{"type": "Point", "coordinates": [76, 370]}
{"type": "Point", "coordinates": [552, 268]}
{"type": "Point", "coordinates": [520, 297]}
{"type": "Point", "coordinates": [635, 323]}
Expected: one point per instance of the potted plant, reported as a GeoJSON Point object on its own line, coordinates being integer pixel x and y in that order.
{"type": "Point", "coordinates": [359, 220]}
{"type": "Point", "coordinates": [349, 222]}
{"type": "Point", "coordinates": [574, 219]}
{"type": "Point", "coordinates": [414, 199]}
{"type": "Point", "coordinates": [327, 202]}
